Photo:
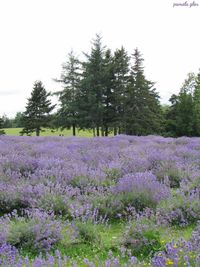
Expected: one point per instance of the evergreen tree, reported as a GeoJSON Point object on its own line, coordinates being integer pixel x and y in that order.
{"type": "Point", "coordinates": [68, 114]}
{"type": "Point", "coordinates": [108, 100]}
{"type": "Point", "coordinates": [38, 108]}
{"type": "Point", "coordinates": [1, 126]}
{"type": "Point", "coordinates": [184, 116]}
{"type": "Point", "coordinates": [196, 106]}
{"type": "Point", "coordinates": [143, 111]}
{"type": "Point", "coordinates": [7, 123]}
{"type": "Point", "coordinates": [18, 120]}
{"type": "Point", "coordinates": [121, 72]}
{"type": "Point", "coordinates": [170, 117]}
{"type": "Point", "coordinates": [108, 94]}
{"type": "Point", "coordinates": [92, 86]}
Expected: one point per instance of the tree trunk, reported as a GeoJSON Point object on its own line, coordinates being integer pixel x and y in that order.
{"type": "Point", "coordinates": [37, 131]}
{"type": "Point", "coordinates": [74, 129]}
{"type": "Point", "coordinates": [106, 130]}
{"type": "Point", "coordinates": [102, 131]}
{"type": "Point", "coordinates": [98, 131]}
{"type": "Point", "coordinates": [93, 129]}
{"type": "Point", "coordinates": [115, 130]}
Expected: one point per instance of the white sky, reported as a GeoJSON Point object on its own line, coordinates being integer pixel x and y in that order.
{"type": "Point", "coordinates": [36, 36]}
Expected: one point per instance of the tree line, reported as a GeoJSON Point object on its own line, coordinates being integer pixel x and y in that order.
{"type": "Point", "coordinates": [109, 92]}
{"type": "Point", "coordinates": [182, 117]}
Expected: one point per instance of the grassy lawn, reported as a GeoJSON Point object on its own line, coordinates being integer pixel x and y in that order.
{"type": "Point", "coordinates": [49, 132]}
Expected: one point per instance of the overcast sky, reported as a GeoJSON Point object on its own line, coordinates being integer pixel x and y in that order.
{"type": "Point", "coordinates": [36, 36]}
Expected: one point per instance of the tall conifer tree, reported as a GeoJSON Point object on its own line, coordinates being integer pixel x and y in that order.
{"type": "Point", "coordinates": [38, 108]}
{"type": "Point", "coordinates": [1, 126]}
{"type": "Point", "coordinates": [143, 111]}
{"type": "Point", "coordinates": [108, 100]}
{"type": "Point", "coordinates": [68, 114]}
{"type": "Point", "coordinates": [184, 116]}
{"type": "Point", "coordinates": [92, 86]}
{"type": "Point", "coordinates": [196, 106]}
{"type": "Point", "coordinates": [121, 72]}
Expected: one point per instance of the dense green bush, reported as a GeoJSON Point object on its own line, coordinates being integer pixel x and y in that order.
{"type": "Point", "coordinates": [142, 239]}
{"type": "Point", "coordinates": [86, 233]}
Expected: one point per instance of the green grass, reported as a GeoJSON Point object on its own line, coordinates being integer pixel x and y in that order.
{"type": "Point", "coordinates": [175, 233]}
{"type": "Point", "coordinates": [111, 237]}
{"type": "Point", "coordinates": [49, 132]}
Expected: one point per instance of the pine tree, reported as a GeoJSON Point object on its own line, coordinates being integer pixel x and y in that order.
{"type": "Point", "coordinates": [92, 86]}
{"type": "Point", "coordinates": [184, 116]}
{"type": "Point", "coordinates": [7, 123]}
{"type": "Point", "coordinates": [108, 100]}
{"type": "Point", "coordinates": [143, 111]}
{"type": "Point", "coordinates": [196, 106]}
{"type": "Point", "coordinates": [68, 114]}
{"type": "Point", "coordinates": [1, 126]}
{"type": "Point", "coordinates": [18, 120]}
{"type": "Point", "coordinates": [38, 108]}
{"type": "Point", "coordinates": [170, 117]}
{"type": "Point", "coordinates": [121, 72]}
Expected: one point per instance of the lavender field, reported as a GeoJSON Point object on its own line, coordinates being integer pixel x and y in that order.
{"type": "Point", "coordinates": [109, 201]}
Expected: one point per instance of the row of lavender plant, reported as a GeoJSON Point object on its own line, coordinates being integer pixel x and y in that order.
{"type": "Point", "coordinates": [182, 253]}
{"type": "Point", "coordinates": [60, 174]}
{"type": "Point", "coordinates": [97, 179]}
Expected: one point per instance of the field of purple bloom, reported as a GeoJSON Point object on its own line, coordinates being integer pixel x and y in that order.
{"type": "Point", "coordinates": [108, 201]}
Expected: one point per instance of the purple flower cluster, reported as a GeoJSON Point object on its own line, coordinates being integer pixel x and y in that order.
{"type": "Point", "coordinates": [181, 209]}
{"type": "Point", "coordinates": [181, 253]}
{"type": "Point", "coordinates": [142, 185]}
{"type": "Point", "coordinates": [9, 256]}
{"type": "Point", "coordinates": [35, 230]}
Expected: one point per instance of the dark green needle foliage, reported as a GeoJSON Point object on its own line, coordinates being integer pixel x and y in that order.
{"type": "Point", "coordinates": [196, 106]}
{"type": "Point", "coordinates": [182, 116]}
{"type": "Point", "coordinates": [38, 109]}
{"type": "Point", "coordinates": [68, 113]}
{"type": "Point", "coordinates": [142, 107]}
{"type": "Point", "coordinates": [93, 86]}
{"type": "Point", "coordinates": [1, 126]}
